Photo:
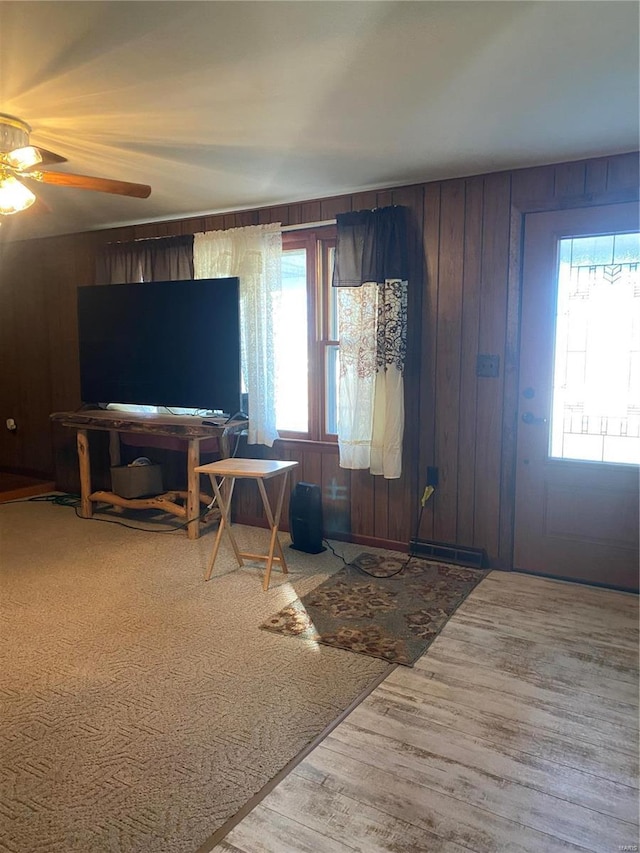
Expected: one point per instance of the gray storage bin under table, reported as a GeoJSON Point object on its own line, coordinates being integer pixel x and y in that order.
{"type": "Point", "coordinates": [136, 481]}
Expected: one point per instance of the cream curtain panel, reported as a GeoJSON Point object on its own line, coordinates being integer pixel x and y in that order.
{"type": "Point", "coordinates": [371, 272]}
{"type": "Point", "coordinates": [254, 255]}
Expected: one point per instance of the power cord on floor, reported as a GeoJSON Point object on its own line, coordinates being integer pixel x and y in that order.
{"type": "Point", "coordinates": [359, 568]}
{"type": "Point", "coordinates": [143, 529]}
{"type": "Point", "coordinates": [59, 500]}
{"type": "Point", "coordinates": [335, 553]}
{"type": "Point", "coordinates": [73, 501]}
{"type": "Point", "coordinates": [425, 497]}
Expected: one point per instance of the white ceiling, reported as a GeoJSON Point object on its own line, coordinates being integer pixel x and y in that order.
{"type": "Point", "coordinates": [230, 105]}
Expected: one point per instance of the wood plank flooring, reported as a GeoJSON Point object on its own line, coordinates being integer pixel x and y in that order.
{"type": "Point", "coordinates": [517, 732]}
{"type": "Point", "coordinates": [17, 486]}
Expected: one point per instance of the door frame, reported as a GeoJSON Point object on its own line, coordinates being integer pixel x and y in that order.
{"type": "Point", "coordinates": [512, 348]}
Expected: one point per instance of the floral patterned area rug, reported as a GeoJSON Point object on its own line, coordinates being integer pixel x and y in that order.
{"type": "Point", "coordinates": [390, 614]}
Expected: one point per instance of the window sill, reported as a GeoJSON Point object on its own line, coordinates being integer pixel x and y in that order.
{"type": "Point", "coordinates": [308, 442]}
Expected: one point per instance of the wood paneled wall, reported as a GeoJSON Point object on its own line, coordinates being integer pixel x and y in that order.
{"type": "Point", "coordinates": [465, 272]}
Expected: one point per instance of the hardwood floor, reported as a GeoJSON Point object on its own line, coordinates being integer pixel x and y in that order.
{"type": "Point", "coordinates": [517, 732]}
{"type": "Point", "coordinates": [16, 486]}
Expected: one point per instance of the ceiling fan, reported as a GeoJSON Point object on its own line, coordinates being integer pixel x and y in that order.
{"type": "Point", "coordinates": [21, 162]}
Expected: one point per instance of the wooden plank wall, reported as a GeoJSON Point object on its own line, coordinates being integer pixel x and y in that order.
{"type": "Point", "coordinates": [465, 238]}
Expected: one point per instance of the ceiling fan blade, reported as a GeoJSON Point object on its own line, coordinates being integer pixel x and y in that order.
{"type": "Point", "coordinates": [87, 182]}
{"type": "Point", "coordinates": [49, 157]}
{"type": "Point", "coordinates": [22, 159]}
{"type": "Point", "coordinates": [30, 157]}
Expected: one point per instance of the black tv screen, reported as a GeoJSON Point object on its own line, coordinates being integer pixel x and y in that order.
{"type": "Point", "coordinates": [161, 343]}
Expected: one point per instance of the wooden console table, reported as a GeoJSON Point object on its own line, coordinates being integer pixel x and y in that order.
{"type": "Point", "coordinates": [191, 430]}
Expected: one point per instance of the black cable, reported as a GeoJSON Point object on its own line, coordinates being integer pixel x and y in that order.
{"type": "Point", "coordinates": [142, 529]}
{"type": "Point", "coordinates": [72, 500]}
{"type": "Point", "coordinates": [364, 571]}
{"type": "Point", "coordinates": [335, 553]}
{"type": "Point", "coordinates": [59, 500]}
{"type": "Point", "coordinates": [371, 574]}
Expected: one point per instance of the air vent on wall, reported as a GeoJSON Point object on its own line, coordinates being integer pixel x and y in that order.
{"type": "Point", "coordinates": [473, 558]}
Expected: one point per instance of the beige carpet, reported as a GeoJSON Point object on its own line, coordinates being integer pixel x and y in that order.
{"type": "Point", "coordinates": [141, 707]}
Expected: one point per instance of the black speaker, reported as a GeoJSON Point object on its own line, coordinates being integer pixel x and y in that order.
{"type": "Point", "coordinates": [305, 518]}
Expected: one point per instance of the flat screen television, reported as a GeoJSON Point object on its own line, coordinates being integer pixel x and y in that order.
{"type": "Point", "coordinates": [161, 343]}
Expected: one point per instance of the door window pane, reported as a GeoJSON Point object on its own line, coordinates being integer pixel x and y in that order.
{"type": "Point", "coordinates": [596, 391]}
{"type": "Point", "coordinates": [292, 368]}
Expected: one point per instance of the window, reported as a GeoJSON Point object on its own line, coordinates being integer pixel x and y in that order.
{"type": "Point", "coordinates": [292, 358]}
{"type": "Point", "coordinates": [596, 396]}
{"type": "Point", "coordinates": [306, 337]}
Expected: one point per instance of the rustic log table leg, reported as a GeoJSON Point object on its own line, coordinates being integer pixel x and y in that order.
{"type": "Point", "coordinates": [86, 505]}
{"type": "Point", "coordinates": [114, 448]}
{"type": "Point", "coordinates": [193, 489]}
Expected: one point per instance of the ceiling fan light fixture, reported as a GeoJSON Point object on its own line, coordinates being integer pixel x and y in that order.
{"type": "Point", "coordinates": [19, 159]}
{"type": "Point", "coordinates": [14, 133]}
{"type": "Point", "coordinates": [23, 158]}
{"type": "Point", "coordinates": [14, 196]}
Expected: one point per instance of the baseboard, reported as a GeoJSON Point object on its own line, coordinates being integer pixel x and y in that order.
{"type": "Point", "coordinates": [258, 521]}
{"type": "Point", "coordinates": [367, 541]}
{"type": "Point", "coordinates": [474, 558]}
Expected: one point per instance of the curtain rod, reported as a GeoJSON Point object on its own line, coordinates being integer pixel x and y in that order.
{"type": "Point", "coordinates": [304, 225]}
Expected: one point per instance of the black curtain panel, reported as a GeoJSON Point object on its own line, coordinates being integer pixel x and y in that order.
{"type": "Point", "coordinates": [158, 259]}
{"type": "Point", "coordinates": [371, 246]}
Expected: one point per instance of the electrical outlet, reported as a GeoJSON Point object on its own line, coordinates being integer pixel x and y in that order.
{"type": "Point", "coordinates": [11, 425]}
{"type": "Point", "coordinates": [488, 365]}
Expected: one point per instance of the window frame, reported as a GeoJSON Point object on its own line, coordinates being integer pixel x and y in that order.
{"type": "Point", "coordinates": [317, 242]}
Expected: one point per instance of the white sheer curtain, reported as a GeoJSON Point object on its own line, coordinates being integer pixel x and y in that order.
{"type": "Point", "coordinates": [254, 255]}
{"type": "Point", "coordinates": [372, 323]}
{"type": "Point", "coordinates": [370, 271]}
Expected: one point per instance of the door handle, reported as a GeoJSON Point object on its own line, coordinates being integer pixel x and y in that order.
{"type": "Point", "coordinates": [530, 418]}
